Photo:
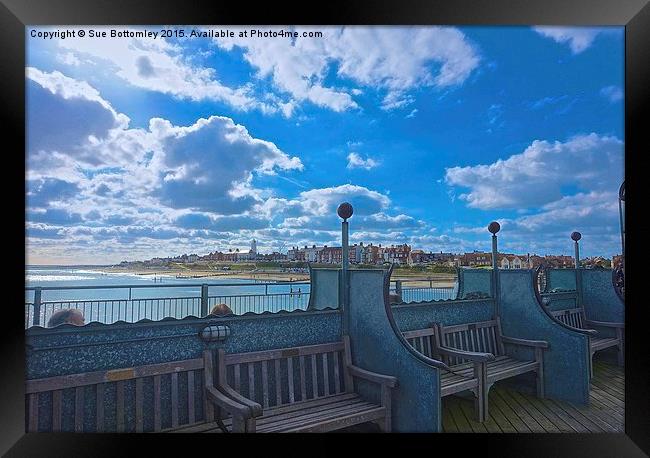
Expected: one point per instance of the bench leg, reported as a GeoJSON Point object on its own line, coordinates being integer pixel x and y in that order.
{"type": "Point", "coordinates": [482, 391]}
{"type": "Point", "coordinates": [386, 423]}
{"type": "Point", "coordinates": [239, 425]}
{"type": "Point", "coordinates": [621, 347]}
{"type": "Point", "coordinates": [539, 357]}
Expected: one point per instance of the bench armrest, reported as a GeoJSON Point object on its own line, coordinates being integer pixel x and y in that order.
{"type": "Point", "coordinates": [387, 380]}
{"type": "Point", "coordinates": [254, 407]}
{"type": "Point", "coordinates": [226, 403]}
{"type": "Point", "coordinates": [605, 324]}
{"type": "Point", "coordinates": [524, 342]}
{"type": "Point", "coordinates": [478, 357]}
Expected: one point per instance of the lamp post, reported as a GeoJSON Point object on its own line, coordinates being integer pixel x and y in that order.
{"type": "Point", "coordinates": [345, 211]}
{"type": "Point", "coordinates": [576, 236]}
{"type": "Point", "coordinates": [495, 227]}
{"type": "Point", "coordinates": [621, 214]}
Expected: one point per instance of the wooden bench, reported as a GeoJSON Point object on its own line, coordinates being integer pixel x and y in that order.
{"type": "Point", "coordinates": [300, 389]}
{"type": "Point", "coordinates": [575, 318]}
{"type": "Point", "coordinates": [133, 399]}
{"type": "Point", "coordinates": [475, 353]}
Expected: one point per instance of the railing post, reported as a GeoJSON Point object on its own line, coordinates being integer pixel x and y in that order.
{"type": "Point", "coordinates": [398, 287]}
{"type": "Point", "coordinates": [345, 211]}
{"type": "Point", "coordinates": [37, 307]}
{"type": "Point", "coordinates": [493, 228]}
{"type": "Point", "coordinates": [204, 300]}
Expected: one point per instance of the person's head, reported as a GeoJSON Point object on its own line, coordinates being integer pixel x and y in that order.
{"type": "Point", "coordinates": [221, 309]}
{"type": "Point", "coordinates": [69, 316]}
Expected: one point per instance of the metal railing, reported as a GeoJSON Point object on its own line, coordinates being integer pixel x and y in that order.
{"type": "Point", "coordinates": [422, 293]}
{"type": "Point", "coordinates": [197, 303]}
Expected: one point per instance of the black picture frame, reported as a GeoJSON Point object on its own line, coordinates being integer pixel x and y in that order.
{"type": "Point", "coordinates": [15, 15]}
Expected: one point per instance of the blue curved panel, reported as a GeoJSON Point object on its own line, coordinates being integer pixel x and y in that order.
{"type": "Point", "coordinates": [375, 347]}
{"type": "Point", "coordinates": [566, 361]}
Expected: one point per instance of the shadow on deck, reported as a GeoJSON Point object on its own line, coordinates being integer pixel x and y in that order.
{"type": "Point", "coordinates": [517, 412]}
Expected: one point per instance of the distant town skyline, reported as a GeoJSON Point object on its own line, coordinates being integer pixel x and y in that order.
{"type": "Point", "coordinates": [142, 147]}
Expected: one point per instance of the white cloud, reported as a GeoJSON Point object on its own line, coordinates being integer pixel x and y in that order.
{"type": "Point", "coordinates": [209, 165]}
{"type": "Point", "coordinates": [158, 65]}
{"type": "Point", "coordinates": [370, 56]}
{"type": "Point", "coordinates": [536, 176]}
{"type": "Point", "coordinates": [612, 93]}
{"type": "Point", "coordinates": [356, 161]}
{"type": "Point", "coordinates": [578, 38]}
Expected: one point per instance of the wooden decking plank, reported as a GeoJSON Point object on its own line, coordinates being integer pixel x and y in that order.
{"type": "Point", "coordinates": [499, 418]}
{"type": "Point", "coordinates": [568, 419]}
{"type": "Point", "coordinates": [467, 407]}
{"type": "Point", "coordinates": [448, 423]}
{"type": "Point", "coordinates": [458, 415]}
{"type": "Point", "coordinates": [519, 411]}
{"type": "Point", "coordinates": [616, 398]}
{"type": "Point", "coordinates": [540, 418]}
{"type": "Point", "coordinates": [614, 418]}
{"type": "Point", "coordinates": [542, 407]}
{"type": "Point", "coordinates": [576, 415]}
{"type": "Point", "coordinates": [509, 413]}
{"type": "Point", "coordinates": [611, 405]}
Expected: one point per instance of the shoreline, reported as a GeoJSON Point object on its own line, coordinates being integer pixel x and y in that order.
{"type": "Point", "coordinates": [439, 280]}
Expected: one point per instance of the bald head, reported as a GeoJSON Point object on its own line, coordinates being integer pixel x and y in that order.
{"type": "Point", "coordinates": [221, 309]}
{"type": "Point", "coordinates": [70, 316]}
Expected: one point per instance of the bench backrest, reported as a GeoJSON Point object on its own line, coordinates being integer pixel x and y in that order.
{"type": "Point", "coordinates": [571, 317]}
{"type": "Point", "coordinates": [484, 336]}
{"type": "Point", "coordinates": [136, 399]}
{"type": "Point", "coordinates": [287, 375]}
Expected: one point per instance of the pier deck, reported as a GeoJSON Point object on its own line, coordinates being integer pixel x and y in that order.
{"type": "Point", "coordinates": [516, 412]}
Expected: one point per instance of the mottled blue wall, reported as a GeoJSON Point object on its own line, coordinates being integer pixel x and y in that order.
{"type": "Point", "coordinates": [419, 316]}
{"type": "Point", "coordinates": [94, 347]}
{"type": "Point", "coordinates": [561, 278]}
{"type": "Point", "coordinates": [375, 347]}
{"type": "Point", "coordinates": [566, 361]}
{"type": "Point", "coordinates": [601, 303]}
{"type": "Point", "coordinates": [474, 280]}
{"type": "Point", "coordinates": [561, 301]}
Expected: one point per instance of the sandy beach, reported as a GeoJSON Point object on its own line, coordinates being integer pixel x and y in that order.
{"type": "Point", "coordinates": [411, 280]}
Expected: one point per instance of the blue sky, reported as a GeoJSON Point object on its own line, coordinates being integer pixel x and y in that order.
{"type": "Point", "coordinates": [154, 147]}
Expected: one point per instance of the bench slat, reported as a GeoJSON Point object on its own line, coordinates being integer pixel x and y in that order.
{"type": "Point", "coordinates": [139, 406]}
{"type": "Point", "coordinates": [57, 396]}
{"type": "Point", "coordinates": [156, 402]}
{"type": "Point", "coordinates": [119, 387]}
{"type": "Point", "coordinates": [326, 379]}
{"type": "Point", "coordinates": [303, 381]}
{"type": "Point", "coordinates": [265, 385]}
{"type": "Point", "coordinates": [337, 382]}
{"type": "Point", "coordinates": [314, 376]}
{"type": "Point", "coordinates": [78, 409]}
{"type": "Point", "coordinates": [278, 383]}
{"type": "Point", "coordinates": [174, 399]}
{"type": "Point", "coordinates": [33, 413]}
{"type": "Point", "coordinates": [236, 358]}
{"type": "Point", "coordinates": [290, 379]}
{"type": "Point", "coordinates": [190, 397]}
{"type": "Point", "coordinates": [303, 417]}
{"type": "Point", "coordinates": [100, 407]}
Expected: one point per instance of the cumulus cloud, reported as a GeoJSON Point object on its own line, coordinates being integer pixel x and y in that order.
{"type": "Point", "coordinates": [66, 116]}
{"type": "Point", "coordinates": [160, 66]}
{"type": "Point", "coordinates": [207, 165]}
{"type": "Point", "coordinates": [370, 56]}
{"type": "Point", "coordinates": [537, 176]}
{"type": "Point", "coordinates": [578, 38]}
{"type": "Point", "coordinates": [356, 161]}
{"type": "Point", "coordinates": [612, 93]}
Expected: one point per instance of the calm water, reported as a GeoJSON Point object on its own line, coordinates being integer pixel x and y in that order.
{"type": "Point", "coordinates": [47, 276]}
